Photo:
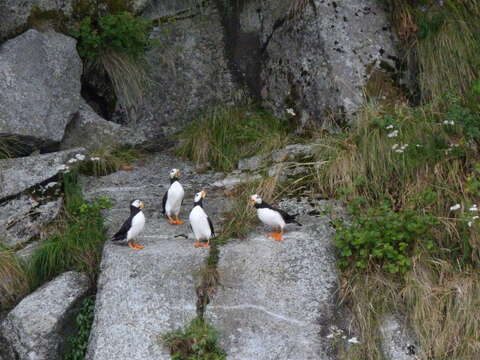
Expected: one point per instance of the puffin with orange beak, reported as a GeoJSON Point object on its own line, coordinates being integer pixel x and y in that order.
{"type": "Point", "coordinates": [201, 224]}
{"type": "Point", "coordinates": [273, 217]}
{"type": "Point", "coordinates": [133, 226]}
{"type": "Point", "coordinates": [173, 199]}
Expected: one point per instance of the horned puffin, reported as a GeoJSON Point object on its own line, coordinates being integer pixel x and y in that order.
{"type": "Point", "coordinates": [133, 226]}
{"type": "Point", "coordinates": [201, 224]}
{"type": "Point", "coordinates": [273, 217]}
{"type": "Point", "coordinates": [173, 198]}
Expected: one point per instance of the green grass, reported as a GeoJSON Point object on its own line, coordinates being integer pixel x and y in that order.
{"type": "Point", "coordinates": [77, 244]}
{"type": "Point", "coordinates": [198, 341]}
{"type": "Point", "coordinates": [14, 279]}
{"type": "Point", "coordinates": [106, 160]}
{"type": "Point", "coordinates": [78, 343]}
{"type": "Point", "coordinates": [224, 135]}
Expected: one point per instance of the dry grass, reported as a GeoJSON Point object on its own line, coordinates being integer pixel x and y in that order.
{"type": "Point", "coordinates": [129, 79]}
{"type": "Point", "coordinates": [14, 279]}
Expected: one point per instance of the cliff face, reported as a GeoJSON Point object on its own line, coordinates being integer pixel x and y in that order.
{"type": "Point", "coordinates": [312, 56]}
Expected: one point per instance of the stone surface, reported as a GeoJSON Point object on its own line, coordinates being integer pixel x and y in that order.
{"type": "Point", "coordinates": [292, 152]}
{"type": "Point", "coordinates": [277, 299]}
{"type": "Point", "coordinates": [318, 54]}
{"type": "Point", "coordinates": [91, 131]}
{"type": "Point", "coordinates": [20, 174]}
{"type": "Point", "coordinates": [39, 86]}
{"type": "Point", "coordinates": [397, 340]}
{"type": "Point", "coordinates": [235, 178]}
{"type": "Point", "coordinates": [144, 294]}
{"type": "Point", "coordinates": [36, 328]}
{"type": "Point", "coordinates": [23, 218]}
{"type": "Point", "coordinates": [14, 13]}
{"type": "Point", "coordinates": [251, 163]}
{"type": "Point", "coordinates": [189, 69]}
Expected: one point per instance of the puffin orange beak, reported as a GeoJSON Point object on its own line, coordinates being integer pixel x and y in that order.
{"type": "Point", "coordinates": [178, 172]}
{"type": "Point", "coordinates": [204, 193]}
{"type": "Point", "coordinates": [142, 206]}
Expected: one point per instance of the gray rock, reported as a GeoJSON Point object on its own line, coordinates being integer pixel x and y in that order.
{"type": "Point", "coordinates": [20, 174]}
{"type": "Point", "coordinates": [14, 14]}
{"type": "Point", "coordinates": [293, 152]}
{"type": "Point", "coordinates": [319, 54]}
{"type": "Point", "coordinates": [234, 179]}
{"type": "Point", "coordinates": [276, 299]}
{"type": "Point", "coordinates": [144, 294]}
{"type": "Point", "coordinates": [398, 342]}
{"type": "Point", "coordinates": [37, 327]}
{"type": "Point", "coordinates": [91, 131]}
{"type": "Point", "coordinates": [189, 70]}
{"type": "Point", "coordinates": [23, 218]}
{"type": "Point", "coordinates": [39, 86]}
{"type": "Point", "coordinates": [251, 163]}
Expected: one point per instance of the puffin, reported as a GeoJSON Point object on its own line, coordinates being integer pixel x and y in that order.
{"type": "Point", "coordinates": [200, 223]}
{"type": "Point", "coordinates": [133, 226]}
{"type": "Point", "coordinates": [273, 217]}
{"type": "Point", "coordinates": [173, 199]}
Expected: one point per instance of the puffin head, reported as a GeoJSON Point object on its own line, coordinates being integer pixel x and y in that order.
{"type": "Point", "coordinates": [137, 204]}
{"type": "Point", "coordinates": [256, 199]}
{"type": "Point", "coordinates": [174, 174]}
{"type": "Point", "coordinates": [199, 196]}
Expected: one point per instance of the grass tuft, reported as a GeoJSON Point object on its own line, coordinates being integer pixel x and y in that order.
{"type": "Point", "coordinates": [226, 134]}
{"type": "Point", "coordinates": [14, 279]}
{"type": "Point", "coordinates": [106, 160]}
{"type": "Point", "coordinates": [77, 244]}
{"type": "Point", "coordinates": [197, 341]}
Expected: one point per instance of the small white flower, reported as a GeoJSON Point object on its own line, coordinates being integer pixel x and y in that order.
{"type": "Point", "coordinates": [354, 340]}
{"type": "Point", "coordinates": [389, 127]}
{"type": "Point", "coordinates": [448, 122]}
{"type": "Point", "coordinates": [80, 157]}
{"type": "Point", "coordinates": [404, 146]}
{"type": "Point", "coordinates": [470, 224]}
{"type": "Point", "coordinates": [50, 184]}
{"type": "Point", "coordinates": [474, 208]}
{"type": "Point", "coordinates": [71, 161]}
{"type": "Point", "coordinates": [394, 146]}
{"type": "Point", "coordinates": [291, 111]}
{"type": "Point", "coordinates": [330, 336]}
{"type": "Point", "coordinates": [394, 133]}
{"type": "Point", "coordinates": [399, 151]}
{"type": "Point", "coordinates": [418, 145]}
{"type": "Point", "coordinates": [455, 207]}
{"type": "Point", "coordinates": [95, 158]}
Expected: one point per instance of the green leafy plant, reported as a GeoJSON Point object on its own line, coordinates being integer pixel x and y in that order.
{"type": "Point", "coordinates": [78, 343]}
{"type": "Point", "coordinates": [197, 342]}
{"type": "Point", "coordinates": [77, 244]}
{"type": "Point", "coordinates": [382, 236]}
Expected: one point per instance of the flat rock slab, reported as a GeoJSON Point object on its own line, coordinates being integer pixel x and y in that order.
{"type": "Point", "coordinates": [35, 328]}
{"type": "Point", "coordinates": [144, 294]}
{"type": "Point", "coordinates": [276, 299]}
{"type": "Point", "coordinates": [20, 174]}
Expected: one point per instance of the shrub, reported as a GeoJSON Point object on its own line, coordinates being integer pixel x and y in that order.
{"type": "Point", "coordinates": [77, 244]}
{"type": "Point", "coordinates": [83, 324]}
{"type": "Point", "coordinates": [14, 280]}
{"type": "Point", "coordinates": [197, 342]}
{"type": "Point", "coordinates": [382, 236]}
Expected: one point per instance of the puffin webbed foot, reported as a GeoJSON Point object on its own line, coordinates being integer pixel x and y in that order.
{"type": "Point", "coordinates": [135, 246]}
{"type": "Point", "coordinates": [178, 221]}
{"type": "Point", "coordinates": [171, 220]}
{"type": "Point", "coordinates": [276, 235]}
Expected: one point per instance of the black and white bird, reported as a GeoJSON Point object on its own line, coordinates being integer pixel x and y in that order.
{"type": "Point", "coordinates": [201, 224]}
{"type": "Point", "coordinates": [133, 226]}
{"type": "Point", "coordinates": [273, 217]}
{"type": "Point", "coordinates": [173, 198]}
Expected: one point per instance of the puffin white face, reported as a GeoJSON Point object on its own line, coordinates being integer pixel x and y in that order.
{"type": "Point", "coordinates": [200, 195]}
{"type": "Point", "coordinates": [256, 199]}
{"type": "Point", "coordinates": [174, 173]}
{"type": "Point", "coordinates": [138, 204]}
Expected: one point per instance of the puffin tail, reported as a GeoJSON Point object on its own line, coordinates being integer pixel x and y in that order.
{"type": "Point", "coordinates": [293, 220]}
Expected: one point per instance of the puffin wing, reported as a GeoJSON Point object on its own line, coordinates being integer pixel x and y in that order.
{"type": "Point", "coordinates": [122, 233]}
{"type": "Point", "coordinates": [211, 226]}
{"type": "Point", "coordinates": [164, 202]}
{"type": "Point", "coordinates": [286, 216]}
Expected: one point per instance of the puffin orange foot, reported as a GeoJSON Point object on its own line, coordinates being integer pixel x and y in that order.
{"type": "Point", "coordinates": [197, 245]}
{"type": "Point", "coordinates": [171, 220]}
{"type": "Point", "coordinates": [178, 221]}
{"type": "Point", "coordinates": [135, 246]}
{"type": "Point", "coordinates": [277, 236]}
